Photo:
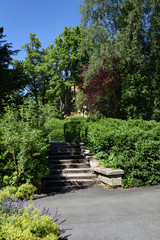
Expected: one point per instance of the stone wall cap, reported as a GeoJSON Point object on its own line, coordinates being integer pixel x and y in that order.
{"type": "Point", "coordinates": [88, 157]}
{"type": "Point", "coordinates": [81, 144]}
{"type": "Point", "coordinates": [109, 171]}
{"type": "Point", "coordinates": [86, 152]}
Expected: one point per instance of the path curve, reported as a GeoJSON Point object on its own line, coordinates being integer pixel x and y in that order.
{"type": "Point", "coordinates": [98, 214]}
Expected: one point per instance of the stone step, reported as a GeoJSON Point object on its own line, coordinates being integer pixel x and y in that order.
{"type": "Point", "coordinates": [63, 189]}
{"type": "Point", "coordinates": [63, 149]}
{"type": "Point", "coordinates": [68, 165]}
{"type": "Point", "coordinates": [73, 182]}
{"type": "Point", "coordinates": [70, 170]}
{"type": "Point", "coordinates": [61, 157]}
{"type": "Point", "coordinates": [69, 176]}
{"type": "Point", "coordinates": [62, 146]}
{"type": "Point", "coordinates": [55, 161]}
{"type": "Point", "coordinates": [66, 153]}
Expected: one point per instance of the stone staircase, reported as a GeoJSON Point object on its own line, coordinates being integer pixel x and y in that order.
{"type": "Point", "coordinates": [68, 169]}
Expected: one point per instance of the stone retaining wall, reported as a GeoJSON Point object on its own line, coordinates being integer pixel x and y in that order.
{"type": "Point", "coordinates": [112, 177]}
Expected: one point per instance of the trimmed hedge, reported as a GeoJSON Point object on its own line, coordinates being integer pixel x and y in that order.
{"type": "Point", "coordinates": [54, 129]}
{"type": "Point", "coordinates": [133, 146]}
{"type": "Point", "coordinates": [67, 130]}
{"type": "Point", "coordinates": [72, 129]}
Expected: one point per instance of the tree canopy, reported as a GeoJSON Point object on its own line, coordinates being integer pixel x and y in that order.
{"type": "Point", "coordinates": [113, 58]}
{"type": "Point", "coordinates": [11, 80]}
{"type": "Point", "coordinates": [67, 63]}
{"type": "Point", "coordinates": [127, 31]}
{"type": "Point", "coordinates": [34, 66]}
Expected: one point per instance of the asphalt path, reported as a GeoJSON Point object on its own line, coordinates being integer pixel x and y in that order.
{"type": "Point", "coordinates": [95, 213]}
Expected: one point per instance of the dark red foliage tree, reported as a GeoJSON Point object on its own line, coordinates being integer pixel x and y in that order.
{"type": "Point", "coordinates": [102, 94]}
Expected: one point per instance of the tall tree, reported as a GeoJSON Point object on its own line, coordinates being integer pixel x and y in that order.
{"type": "Point", "coordinates": [10, 79]}
{"type": "Point", "coordinates": [31, 62]}
{"type": "Point", "coordinates": [103, 94]}
{"type": "Point", "coordinates": [154, 61]}
{"type": "Point", "coordinates": [36, 69]}
{"type": "Point", "coordinates": [66, 62]}
{"type": "Point", "coordinates": [120, 30]}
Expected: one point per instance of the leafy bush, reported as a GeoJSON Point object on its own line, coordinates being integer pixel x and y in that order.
{"type": "Point", "coordinates": [37, 115]}
{"type": "Point", "coordinates": [72, 130]}
{"type": "Point", "coordinates": [25, 147]}
{"type": "Point", "coordinates": [24, 191]}
{"type": "Point", "coordinates": [24, 132]}
{"type": "Point", "coordinates": [6, 165]}
{"type": "Point", "coordinates": [19, 220]}
{"type": "Point", "coordinates": [132, 145]}
{"type": "Point", "coordinates": [10, 180]}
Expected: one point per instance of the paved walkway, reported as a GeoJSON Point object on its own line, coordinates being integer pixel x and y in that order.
{"type": "Point", "coordinates": [98, 214]}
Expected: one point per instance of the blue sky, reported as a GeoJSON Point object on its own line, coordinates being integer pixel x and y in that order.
{"type": "Point", "coordinates": [46, 18]}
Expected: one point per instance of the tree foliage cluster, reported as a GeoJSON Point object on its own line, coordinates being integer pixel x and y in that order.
{"type": "Point", "coordinates": [103, 88]}
{"type": "Point", "coordinates": [12, 80]}
{"type": "Point", "coordinates": [47, 75]}
{"type": "Point", "coordinates": [127, 31]}
{"type": "Point", "coordinates": [113, 58]}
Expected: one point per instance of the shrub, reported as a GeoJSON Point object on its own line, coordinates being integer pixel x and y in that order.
{"type": "Point", "coordinates": [28, 224]}
{"type": "Point", "coordinates": [72, 130]}
{"type": "Point", "coordinates": [21, 221]}
{"type": "Point", "coordinates": [25, 146]}
{"type": "Point", "coordinates": [24, 191]}
{"type": "Point", "coordinates": [36, 115]}
{"type": "Point", "coordinates": [6, 164]}
{"type": "Point", "coordinates": [54, 129]}
{"type": "Point", "coordinates": [132, 145]}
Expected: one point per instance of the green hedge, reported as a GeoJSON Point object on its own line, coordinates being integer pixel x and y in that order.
{"type": "Point", "coordinates": [72, 129]}
{"type": "Point", "coordinates": [133, 146]}
{"type": "Point", "coordinates": [54, 129]}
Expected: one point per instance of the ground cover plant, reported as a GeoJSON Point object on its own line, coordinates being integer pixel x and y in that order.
{"type": "Point", "coordinates": [22, 220]}
{"type": "Point", "coordinates": [132, 145]}
{"type": "Point", "coordinates": [24, 191]}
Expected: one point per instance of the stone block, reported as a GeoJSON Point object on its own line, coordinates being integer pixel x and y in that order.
{"type": "Point", "coordinates": [109, 171]}
{"type": "Point", "coordinates": [112, 181]}
{"type": "Point", "coordinates": [94, 164]}
{"type": "Point", "coordinates": [88, 157]}
{"type": "Point", "coordinates": [81, 144]}
{"type": "Point", "coordinates": [86, 152]}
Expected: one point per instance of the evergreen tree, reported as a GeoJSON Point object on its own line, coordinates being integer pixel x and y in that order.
{"type": "Point", "coordinates": [10, 79]}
